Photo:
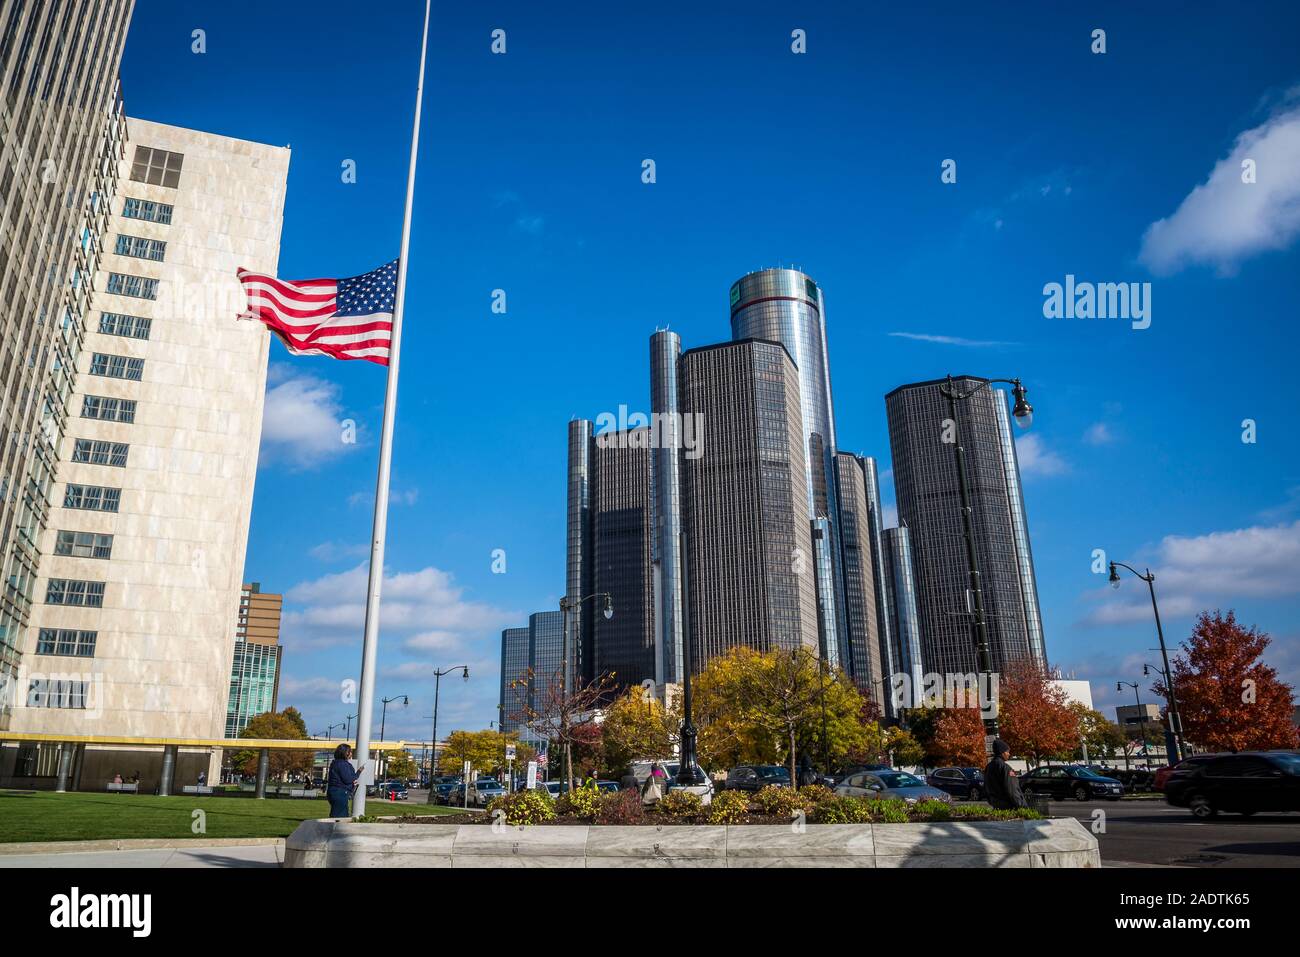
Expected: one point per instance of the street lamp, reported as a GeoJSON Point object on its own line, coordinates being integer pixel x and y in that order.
{"type": "Point", "coordinates": [433, 747]}
{"type": "Point", "coordinates": [689, 773]}
{"type": "Point", "coordinates": [567, 606]}
{"type": "Point", "coordinates": [1142, 724]}
{"type": "Point", "coordinates": [347, 728]}
{"type": "Point", "coordinates": [1023, 413]}
{"type": "Point", "coordinates": [329, 730]}
{"type": "Point", "coordinates": [1175, 751]}
{"type": "Point", "coordinates": [383, 715]}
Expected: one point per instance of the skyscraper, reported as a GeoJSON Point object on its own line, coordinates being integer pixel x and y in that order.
{"type": "Point", "coordinates": [863, 633]}
{"type": "Point", "coordinates": [141, 567]}
{"type": "Point", "coordinates": [531, 663]}
{"type": "Point", "coordinates": [610, 552]}
{"type": "Point", "coordinates": [925, 478]}
{"type": "Point", "coordinates": [61, 136]}
{"type": "Point", "coordinates": [749, 548]}
{"type": "Point", "coordinates": [786, 306]}
{"type": "Point", "coordinates": [255, 671]}
{"type": "Point", "coordinates": [515, 664]}
{"type": "Point", "coordinates": [622, 647]}
{"type": "Point", "coordinates": [904, 623]}
{"type": "Point", "coordinates": [666, 505]}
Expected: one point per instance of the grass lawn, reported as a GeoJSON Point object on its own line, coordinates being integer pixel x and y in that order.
{"type": "Point", "coordinates": [46, 816]}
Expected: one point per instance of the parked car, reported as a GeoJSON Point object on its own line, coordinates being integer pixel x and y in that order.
{"type": "Point", "coordinates": [388, 790]}
{"type": "Point", "coordinates": [966, 783]}
{"type": "Point", "coordinates": [1186, 764]}
{"type": "Point", "coordinates": [843, 773]}
{"type": "Point", "coordinates": [1065, 781]}
{"type": "Point", "coordinates": [755, 777]}
{"type": "Point", "coordinates": [890, 784]}
{"type": "Point", "coordinates": [444, 788]}
{"type": "Point", "coordinates": [607, 786]}
{"type": "Point", "coordinates": [484, 790]}
{"type": "Point", "coordinates": [1243, 783]}
{"type": "Point", "coordinates": [553, 788]}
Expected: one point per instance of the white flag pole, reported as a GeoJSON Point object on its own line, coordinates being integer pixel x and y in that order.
{"type": "Point", "coordinates": [365, 704]}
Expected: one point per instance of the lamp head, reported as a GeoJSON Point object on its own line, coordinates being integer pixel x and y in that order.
{"type": "Point", "coordinates": [1146, 670]}
{"type": "Point", "coordinates": [465, 674]}
{"type": "Point", "coordinates": [1119, 686]}
{"type": "Point", "coordinates": [1023, 412]}
{"type": "Point", "coordinates": [1114, 576]}
{"type": "Point", "coordinates": [609, 608]}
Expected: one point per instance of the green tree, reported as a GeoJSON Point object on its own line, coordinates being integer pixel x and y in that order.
{"type": "Point", "coordinates": [286, 725]}
{"type": "Point", "coordinates": [637, 727]}
{"type": "Point", "coordinates": [1103, 737]}
{"type": "Point", "coordinates": [904, 747]}
{"type": "Point", "coordinates": [400, 765]}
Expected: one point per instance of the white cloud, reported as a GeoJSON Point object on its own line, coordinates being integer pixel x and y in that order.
{"type": "Point", "coordinates": [889, 515]}
{"type": "Point", "coordinates": [333, 551]}
{"type": "Point", "coordinates": [1193, 572]}
{"type": "Point", "coordinates": [302, 424]}
{"type": "Point", "coordinates": [395, 497]}
{"type": "Point", "coordinates": [1099, 433]}
{"type": "Point", "coordinates": [950, 340]}
{"type": "Point", "coordinates": [1223, 220]}
{"type": "Point", "coordinates": [330, 610]}
{"type": "Point", "coordinates": [1036, 459]}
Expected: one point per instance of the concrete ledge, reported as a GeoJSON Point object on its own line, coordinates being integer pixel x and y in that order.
{"type": "Point", "coordinates": [133, 844]}
{"type": "Point", "coordinates": [1056, 842]}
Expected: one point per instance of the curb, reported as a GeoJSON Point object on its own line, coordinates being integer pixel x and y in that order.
{"type": "Point", "coordinates": [132, 844]}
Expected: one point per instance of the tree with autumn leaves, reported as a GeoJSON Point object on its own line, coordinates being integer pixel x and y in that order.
{"type": "Point", "coordinates": [1228, 698]}
{"type": "Point", "coordinates": [1034, 716]}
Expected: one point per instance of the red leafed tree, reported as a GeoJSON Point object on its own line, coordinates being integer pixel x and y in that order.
{"type": "Point", "coordinates": [1033, 715]}
{"type": "Point", "coordinates": [958, 738]}
{"type": "Point", "coordinates": [1228, 698]}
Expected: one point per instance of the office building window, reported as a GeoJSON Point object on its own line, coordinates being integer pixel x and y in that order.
{"type": "Point", "coordinates": [138, 287]}
{"type": "Point", "coordinates": [116, 324]}
{"type": "Point", "coordinates": [66, 591]}
{"type": "Point", "coordinates": [117, 367]}
{"type": "Point", "coordinates": [66, 641]}
{"type": "Point", "coordinates": [57, 692]}
{"type": "Point", "coordinates": [141, 248]}
{"type": "Point", "coordinates": [108, 410]}
{"type": "Point", "coordinates": [93, 498]}
{"type": "Point", "coordinates": [95, 452]}
{"type": "Point", "coordinates": [84, 545]}
{"type": "Point", "coordinates": [157, 167]}
{"type": "Point", "coordinates": [147, 211]}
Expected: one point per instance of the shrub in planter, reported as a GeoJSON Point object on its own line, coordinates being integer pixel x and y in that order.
{"type": "Point", "coordinates": [814, 794]}
{"type": "Point", "coordinates": [839, 809]}
{"type": "Point", "coordinates": [931, 810]}
{"type": "Point", "coordinates": [582, 803]}
{"type": "Point", "coordinates": [889, 811]}
{"type": "Point", "coordinates": [680, 806]}
{"type": "Point", "coordinates": [620, 807]}
{"type": "Point", "coordinates": [729, 807]}
{"type": "Point", "coordinates": [524, 807]}
{"type": "Point", "coordinates": [780, 802]}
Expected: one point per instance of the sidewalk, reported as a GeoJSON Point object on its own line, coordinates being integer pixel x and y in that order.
{"type": "Point", "coordinates": [251, 852]}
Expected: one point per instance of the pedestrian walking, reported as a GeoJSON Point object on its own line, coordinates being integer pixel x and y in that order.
{"type": "Point", "coordinates": [1003, 790]}
{"type": "Point", "coordinates": [655, 785]}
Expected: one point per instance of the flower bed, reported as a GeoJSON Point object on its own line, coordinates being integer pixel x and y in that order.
{"type": "Point", "coordinates": [771, 805]}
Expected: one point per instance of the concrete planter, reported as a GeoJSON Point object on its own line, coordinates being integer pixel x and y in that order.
{"type": "Point", "coordinates": [1057, 842]}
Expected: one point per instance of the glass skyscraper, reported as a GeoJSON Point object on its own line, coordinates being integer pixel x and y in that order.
{"type": "Point", "coordinates": [925, 479]}
{"type": "Point", "coordinates": [786, 306]}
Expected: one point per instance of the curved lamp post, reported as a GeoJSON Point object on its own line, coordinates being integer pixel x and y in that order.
{"type": "Point", "coordinates": [1023, 413]}
{"type": "Point", "coordinates": [433, 745]}
{"type": "Point", "coordinates": [567, 607]}
{"type": "Point", "coordinates": [1171, 699]}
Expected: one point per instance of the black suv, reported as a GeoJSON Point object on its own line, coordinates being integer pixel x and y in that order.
{"type": "Point", "coordinates": [1241, 783]}
{"type": "Point", "coordinates": [1070, 781]}
{"type": "Point", "coordinates": [755, 777]}
{"type": "Point", "coordinates": [965, 783]}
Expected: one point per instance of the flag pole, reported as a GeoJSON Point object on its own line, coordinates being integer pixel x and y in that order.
{"type": "Point", "coordinates": [365, 704]}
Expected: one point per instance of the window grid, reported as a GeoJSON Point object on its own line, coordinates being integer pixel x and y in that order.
{"type": "Point", "coordinates": [84, 545]}
{"type": "Point", "coordinates": [148, 211]}
{"type": "Point", "coordinates": [117, 367]}
{"type": "Point", "coordinates": [56, 693]}
{"type": "Point", "coordinates": [92, 498]}
{"type": "Point", "coordinates": [140, 248]}
{"type": "Point", "coordinates": [69, 642]}
{"type": "Point", "coordinates": [107, 409]}
{"type": "Point", "coordinates": [117, 324]}
{"type": "Point", "coordinates": [138, 287]}
{"type": "Point", "coordinates": [68, 591]}
{"type": "Point", "coordinates": [95, 452]}
{"type": "Point", "coordinates": [157, 167]}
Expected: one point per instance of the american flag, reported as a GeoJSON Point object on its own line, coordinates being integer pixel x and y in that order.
{"type": "Point", "coordinates": [344, 318]}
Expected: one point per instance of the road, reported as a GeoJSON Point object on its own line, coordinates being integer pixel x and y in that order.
{"type": "Point", "coordinates": [1152, 832]}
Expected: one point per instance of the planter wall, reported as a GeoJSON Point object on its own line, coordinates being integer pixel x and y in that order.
{"type": "Point", "coordinates": [1057, 842]}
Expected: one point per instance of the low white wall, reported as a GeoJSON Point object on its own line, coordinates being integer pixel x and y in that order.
{"type": "Point", "coordinates": [1056, 842]}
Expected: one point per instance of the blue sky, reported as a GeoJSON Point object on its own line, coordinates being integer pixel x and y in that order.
{"type": "Point", "coordinates": [530, 182]}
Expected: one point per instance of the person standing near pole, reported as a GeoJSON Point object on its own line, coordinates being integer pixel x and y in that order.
{"type": "Point", "coordinates": [1000, 784]}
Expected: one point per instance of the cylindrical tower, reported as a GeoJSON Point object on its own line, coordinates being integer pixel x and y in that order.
{"type": "Point", "coordinates": [786, 306]}
{"type": "Point", "coordinates": [577, 543]}
{"type": "Point", "coordinates": [666, 514]}
{"type": "Point", "coordinates": [907, 624]}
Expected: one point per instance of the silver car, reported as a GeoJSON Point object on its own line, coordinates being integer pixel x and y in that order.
{"type": "Point", "coordinates": [890, 784]}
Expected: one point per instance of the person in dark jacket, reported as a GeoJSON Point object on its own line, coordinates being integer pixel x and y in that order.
{"type": "Point", "coordinates": [629, 782]}
{"type": "Point", "coordinates": [341, 782]}
{"type": "Point", "coordinates": [807, 776]}
{"type": "Point", "coordinates": [1000, 784]}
